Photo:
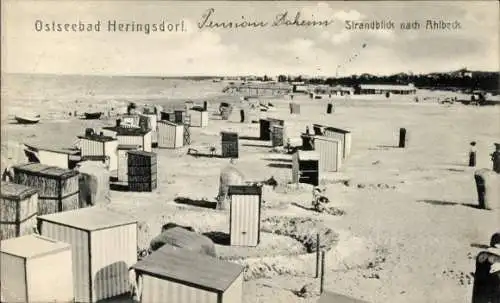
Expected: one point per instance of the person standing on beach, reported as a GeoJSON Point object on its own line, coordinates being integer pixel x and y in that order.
{"type": "Point", "coordinates": [472, 154]}
{"type": "Point", "coordinates": [495, 157]}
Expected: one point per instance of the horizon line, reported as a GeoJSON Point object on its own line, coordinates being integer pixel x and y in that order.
{"type": "Point", "coordinates": [247, 75]}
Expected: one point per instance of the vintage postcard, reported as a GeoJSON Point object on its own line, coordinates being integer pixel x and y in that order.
{"type": "Point", "coordinates": [244, 152]}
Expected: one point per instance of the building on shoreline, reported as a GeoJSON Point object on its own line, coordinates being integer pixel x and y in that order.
{"type": "Point", "coordinates": [380, 89]}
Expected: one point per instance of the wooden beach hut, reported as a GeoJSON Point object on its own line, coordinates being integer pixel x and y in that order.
{"type": "Point", "coordinates": [266, 125]}
{"type": "Point", "coordinates": [104, 246]}
{"type": "Point", "coordinates": [122, 173]}
{"type": "Point", "coordinates": [230, 144]}
{"type": "Point", "coordinates": [264, 129]}
{"type": "Point", "coordinates": [330, 153]}
{"type": "Point", "coordinates": [142, 171]}
{"type": "Point", "coordinates": [199, 118]}
{"type": "Point", "coordinates": [151, 123]}
{"type": "Point", "coordinates": [277, 135]}
{"type": "Point", "coordinates": [58, 157]}
{"type": "Point", "coordinates": [168, 116]}
{"type": "Point", "coordinates": [330, 297]}
{"type": "Point", "coordinates": [179, 116]}
{"type": "Point", "coordinates": [294, 108]}
{"type": "Point", "coordinates": [245, 212]}
{"type": "Point", "coordinates": [96, 145]}
{"type": "Point", "coordinates": [18, 210]}
{"type": "Point", "coordinates": [305, 167]}
{"type": "Point", "coordinates": [170, 135]}
{"type": "Point", "coordinates": [337, 133]}
{"type": "Point", "coordinates": [58, 188]}
{"type": "Point", "coordinates": [36, 269]}
{"type": "Point", "coordinates": [177, 275]}
{"type": "Point", "coordinates": [133, 136]}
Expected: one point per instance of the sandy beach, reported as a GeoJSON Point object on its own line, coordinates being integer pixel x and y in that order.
{"type": "Point", "coordinates": [410, 227]}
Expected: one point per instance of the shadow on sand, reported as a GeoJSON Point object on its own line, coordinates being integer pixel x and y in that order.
{"type": "Point", "coordinates": [480, 246]}
{"type": "Point", "coordinates": [448, 203]}
{"type": "Point", "coordinates": [455, 170]}
{"type": "Point", "coordinates": [197, 203]}
{"type": "Point", "coordinates": [280, 165]}
{"type": "Point", "coordinates": [118, 186]}
{"type": "Point", "coordinates": [278, 160]}
{"type": "Point", "coordinates": [250, 138]}
{"type": "Point", "coordinates": [387, 146]}
{"type": "Point", "coordinates": [203, 155]}
{"type": "Point", "coordinates": [302, 206]}
{"type": "Point", "coordinates": [257, 145]}
{"type": "Point", "coordinates": [218, 237]}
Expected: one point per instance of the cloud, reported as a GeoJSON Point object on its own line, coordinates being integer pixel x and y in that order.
{"type": "Point", "coordinates": [341, 37]}
{"type": "Point", "coordinates": [348, 15]}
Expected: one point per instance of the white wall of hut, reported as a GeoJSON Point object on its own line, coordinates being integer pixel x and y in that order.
{"type": "Point", "coordinates": [343, 135]}
{"type": "Point", "coordinates": [198, 118]}
{"type": "Point", "coordinates": [330, 153]}
{"type": "Point", "coordinates": [102, 255]}
{"type": "Point", "coordinates": [101, 148]}
{"type": "Point", "coordinates": [170, 135]}
{"type": "Point", "coordinates": [31, 266]}
{"type": "Point", "coordinates": [53, 158]}
{"type": "Point", "coordinates": [244, 218]}
{"type": "Point", "coordinates": [142, 140]}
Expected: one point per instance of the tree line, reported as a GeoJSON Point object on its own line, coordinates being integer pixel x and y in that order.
{"type": "Point", "coordinates": [487, 81]}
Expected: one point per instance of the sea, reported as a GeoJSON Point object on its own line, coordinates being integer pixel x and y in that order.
{"type": "Point", "coordinates": [52, 95]}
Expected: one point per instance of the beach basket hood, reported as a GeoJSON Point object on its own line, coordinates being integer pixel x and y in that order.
{"type": "Point", "coordinates": [229, 175]}
{"type": "Point", "coordinates": [183, 238]}
{"type": "Point", "coordinates": [94, 183]}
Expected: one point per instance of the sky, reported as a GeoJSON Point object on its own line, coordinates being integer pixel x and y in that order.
{"type": "Point", "coordinates": [314, 50]}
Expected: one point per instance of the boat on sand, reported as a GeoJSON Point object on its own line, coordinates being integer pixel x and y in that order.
{"type": "Point", "coordinates": [92, 116]}
{"type": "Point", "coordinates": [25, 119]}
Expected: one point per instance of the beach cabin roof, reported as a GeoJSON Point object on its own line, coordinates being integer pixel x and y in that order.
{"type": "Point", "coordinates": [128, 146]}
{"type": "Point", "coordinates": [244, 190]}
{"type": "Point", "coordinates": [186, 267]}
{"type": "Point", "coordinates": [15, 191]}
{"type": "Point", "coordinates": [124, 131]}
{"type": "Point", "coordinates": [66, 151]}
{"type": "Point", "coordinates": [169, 123]}
{"type": "Point", "coordinates": [31, 246]}
{"type": "Point", "coordinates": [89, 219]}
{"type": "Point", "coordinates": [308, 155]}
{"type": "Point", "coordinates": [42, 169]}
{"type": "Point", "coordinates": [97, 137]}
{"type": "Point", "coordinates": [387, 87]}
{"type": "Point", "coordinates": [331, 128]}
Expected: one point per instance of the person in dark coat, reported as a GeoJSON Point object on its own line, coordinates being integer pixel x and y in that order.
{"type": "Point", "coordinates": [472, 154]}
{"type": "Point", "coordinates": [495, 158]}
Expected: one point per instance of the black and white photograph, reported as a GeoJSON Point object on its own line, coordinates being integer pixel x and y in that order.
{"type": "Point", "coordinates": [250, 151]}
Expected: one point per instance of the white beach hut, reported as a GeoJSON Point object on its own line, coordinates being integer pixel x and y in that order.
{"type": "Point", "coordinates": [32, 267]}
{"type": "Point", "coordinates": [104, 246]}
